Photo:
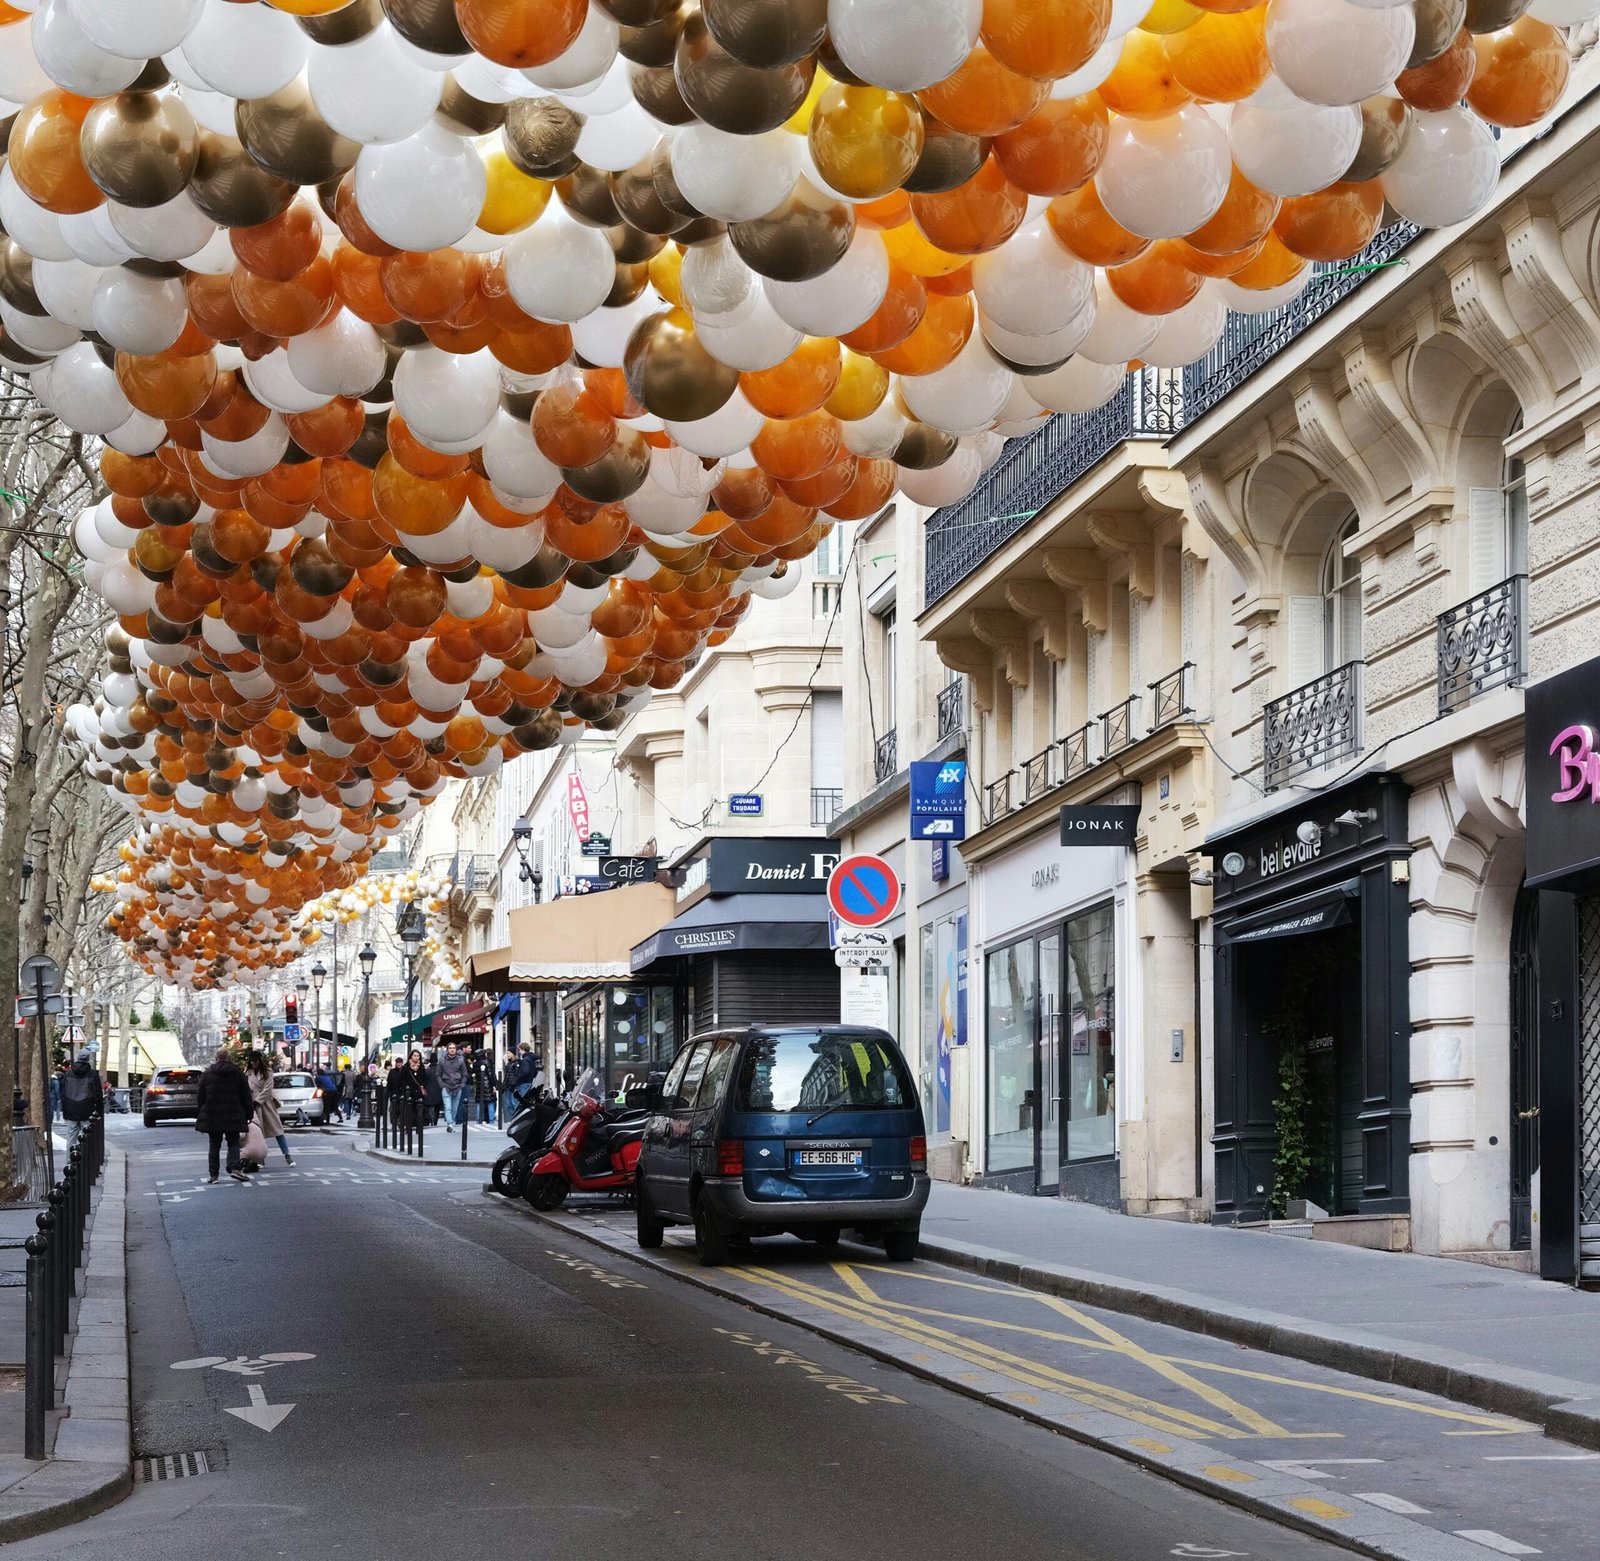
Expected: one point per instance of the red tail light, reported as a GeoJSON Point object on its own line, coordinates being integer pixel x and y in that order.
{"type": "Point", "coordinates": [730, 1157]}
{"type": "Point", "coordinates": [156, 1089]}
{"type": "Point", "coordinates": [316, 1094]}
{"type": "Point", "coordinates": [919, 1151]}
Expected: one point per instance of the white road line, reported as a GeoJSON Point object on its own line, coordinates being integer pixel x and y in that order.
{"type": "Point", "coordinates": [1306, 1468]}
{"type": "Point", "coordinates": [1541, 1457]}
{"type": "Point", "coordinates": [1493, 1541]}
{"type": "Point", "coordinates": [1392, 1503]}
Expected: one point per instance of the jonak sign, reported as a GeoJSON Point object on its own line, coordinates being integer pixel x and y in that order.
{"type": "Point", "coordinates": [1563, 786]}
{"type": "Point", "coordinates": [1099, 826]}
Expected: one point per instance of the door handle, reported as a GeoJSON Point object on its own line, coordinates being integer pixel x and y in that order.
{"type": "Point", "coordinates": [1532, 1111]}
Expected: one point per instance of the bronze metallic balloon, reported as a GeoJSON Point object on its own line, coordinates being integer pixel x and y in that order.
{"type": "Point", "coordinates": [767, 33]}
{"type": "Point", "coordinates": [921, 448]}
{"type": "Point", "coordinates": [593, 707]}
{"type": "Point", "coordinates": [230, 189]}
{"type": "Point", "coordinates": [638, 13]}
{"type": "Point", "coordinates": [349, 24]}
{"type": "Point", "coordinates": [800, 238]}
{"type": "Point", "coordinates": [586, 193]}
{"type": "Point", "coordinates": [140, 147]}
{"type": "Point", "coordinates": [657, 45]}
{"type": "Point", "coordinates": [540, 136]}
{"type": "Point", "coordinates": [621, 471]}
{"type": "Point", "coordinates": [632, 245]}
{"type": "Point", "coordinates": [828, 59]}
{"type": "Point", "coordinates": [286, 135]}
{"type": "Point", "coordinates": [628, 283]}
{"type": "Point", "coordinates": [703, 230]}
{"type": "Point", "coordinates": [429, 24]}
{"type": "Point", "coordinates": [656, 92]}
{"type": "Point", "coordinates": [1383, 128]}
{"type": "Point", "coordinates": [638, 202]}
{"type": "Point", "coordinates": [519, 403]}
{"type": "Point", "coordinates": [152, 78]}
{"type": "Point", "coordinates": [1489, 16]}
{"type": "Point", "coordinates": [1438, 22]}
{"type": "Point", "coordinates": [16, 279]}
{"type": "Point", "coordinates": [734, 97]}
{"type": "Point", "coordinates": [545, 567]}
{"type": "Point", "coordinates": [949, 158]}
{"type": "Point", "coordinates": [661, 175]}
{"type": "Point", "coordinates": [466, 115]}
{"type": "Point", "coordinates": [315, 570]}
{"type": "Point", "coordinates": [372, 443]}
{"type": "Point", "coordinates": [543, 731]}
{"type": "Point", "coordinates": [671, 374]}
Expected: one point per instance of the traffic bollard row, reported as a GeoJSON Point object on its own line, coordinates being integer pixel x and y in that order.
{"type": "Point", "coordinates": [55, 1254]}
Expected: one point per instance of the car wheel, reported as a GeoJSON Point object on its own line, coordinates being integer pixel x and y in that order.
{"type": "Point", "coordinates": [546, 1192]}
{"type": "Point", "coordinates": [900, 1246]}
{"type": "Point", "coordinates": [823, 1235]}
{"type": "Point", "coordinates": [711, 1243]}
{"type": "Point", "coordinates": [149, 1121]}
{"type": "Point", "coordinates": [650, 1230]}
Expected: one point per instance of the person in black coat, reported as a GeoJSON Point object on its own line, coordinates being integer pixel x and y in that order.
{"type": "Point", "coordinates": [225, 1108]}
{"type": "Point", "coordinates": [408, 1090]}
{"type": "Point", "coordinates": [435, 1089]}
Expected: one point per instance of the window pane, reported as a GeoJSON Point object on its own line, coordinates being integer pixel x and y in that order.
{"type": "Point", "coordinates": [716, 1071]}
{"type": "Point", "coordinates": [685, 1096]}
{"type": "Point", "coordinates": [802, 1070]}
{"type": "Point", "coordinates": [1091, 1098]}
{"type": "Point", "coordinates": [1012, 999]}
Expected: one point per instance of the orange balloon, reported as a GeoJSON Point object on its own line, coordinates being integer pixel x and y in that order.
{"type": "Point", "coordinates": [1223, 57]}
{"type": "Point", "coordinates": [873, 487]}
{"type": "Point", "coordinates": [976, 216]}
{"type": "Point", "coordinates": [1442, 82]}
{"type": "Point", "coordinates": [327, 430]}
{"type": "Point", "coordinates": [800, 384]}
{"type": "Point", "coordinates": [1057, 149]}
{"type": "Point", "coordinates": [288, 308]}
{"type": "Point", "coordinates": [590, 540]}
{"type": "Point", "coordinates": [1142, 83]}
{"type": "Point", "coordinates": [984, 97]}
{"type": "Point", "coordinates": [416, 506]}
{"type": "Point", "coordinates": [416, 596]}
{"type": "Point", "coordinates": [281, 248]}
{"type": "Point", "coordinates": [46, 157]}
{"type": "Point", "coordinates": [358, 280]}
{"type": "Point", "coordinates": [521, 33]}
{"type": "Point", "coordinates": [1157, 282]}
{"type": "Point", "coordinates": [900, 313]}
{"type": "Point", "coordinates": [432, 286]}
{"type": "Point", "coordinates": [1243, 219]}
{"type": "Point", "coordinates": [1522, 72]}
{"type": "Point", "coordinates": [165, 386]}
{"type": "Point", "coordinates": [790, 448]}
{"type": "Point", "coordinates": [570, 426]}
{"type": "Point", "coordinates": [1083, 225]}
{"type": "Point", "coordinates": [417, 458]}
{"type": "Point", "coordinates": [1046, 39]}
{"type": "Point", "coordinates": [1272, 267]}
{"type": "Point", "coordinates": [1331, 224]}
{"type": "Point", "coordinates": [944, 330]}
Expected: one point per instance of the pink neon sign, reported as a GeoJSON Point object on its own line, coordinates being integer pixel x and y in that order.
{"type": "Point", "coordinates": [1577, 764]}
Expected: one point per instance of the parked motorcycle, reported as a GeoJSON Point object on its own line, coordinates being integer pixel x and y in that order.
{"type": "Point", "coordinates": [531, 1129]}
{"type": "Point", "coordinates": [594, 1149]}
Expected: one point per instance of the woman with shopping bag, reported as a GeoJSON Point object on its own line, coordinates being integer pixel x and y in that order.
{"type": "Point", "coordinates": [266, 1123]}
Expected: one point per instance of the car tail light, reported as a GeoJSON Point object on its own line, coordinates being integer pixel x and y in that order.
{"type": "Point", "coordinates": [730, 1157]}
{"type": "Point", "coordinates": [316, 1094]}
{"type": "Point", "coordinates": [156, 1089]}
{"type": "Point", "coordinates": [919, 1150]}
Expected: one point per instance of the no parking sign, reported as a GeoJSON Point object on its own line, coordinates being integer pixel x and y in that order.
{"type": "Point", "coordinates": [863, 891]}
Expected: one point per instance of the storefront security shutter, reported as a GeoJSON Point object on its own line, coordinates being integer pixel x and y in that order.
{"type": "Point", "coordinates": [704, 988]}
{"type": "Point", "coordinates": [799, 987]}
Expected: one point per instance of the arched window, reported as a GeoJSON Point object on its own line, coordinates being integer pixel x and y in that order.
{"type": "Point", "coordinates": [1498, 525]}
{"type": "Point", "coordinates": [1341, 602]}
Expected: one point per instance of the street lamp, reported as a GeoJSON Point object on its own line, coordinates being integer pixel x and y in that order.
{"type": "Point", "coordinates": [368, 958]}
{"type": "Point", "coordinates": [522, 837]}
{"type": "Point", "coordinates": [411, 932]}
{"type": "Point", "coordinates": [303, 987]}
{"type": "Point", "coordinates": [319, 974]}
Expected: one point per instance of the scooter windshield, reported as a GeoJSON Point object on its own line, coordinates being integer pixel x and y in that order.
{"type": "Point", "coordinates": [591, 1084]}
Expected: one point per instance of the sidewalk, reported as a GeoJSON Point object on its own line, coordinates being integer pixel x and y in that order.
{"type": "Point", "coordinates": [1500, 1340]}
{"type": "Point", "coordinates": [485, 1145]}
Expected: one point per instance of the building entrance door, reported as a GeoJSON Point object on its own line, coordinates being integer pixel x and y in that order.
{"type": "Point", "coordinates": [1524, 1134]}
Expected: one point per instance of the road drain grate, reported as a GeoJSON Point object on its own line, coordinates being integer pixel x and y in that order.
{"type": "Point", "coordinates": [177, 1466]}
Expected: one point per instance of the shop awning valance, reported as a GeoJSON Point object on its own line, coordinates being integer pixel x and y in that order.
{"type": "Point", "coordinates": [463, 1017]}
{"type": "Point", "coordinates": [1330, 907]}
{"type": "Point", "coordinates": [582, 937]}
{"type": "Point", "coordinates": [733, 923]}
{"type": "Point", "coordinates": [408, 1030]}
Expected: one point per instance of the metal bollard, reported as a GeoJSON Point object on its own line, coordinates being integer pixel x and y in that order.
{"type": "Point", "coordinates": [45, 1221]}
{"type": "Point", "coordinates": [422, 1121]}
{"type": "Point", "coordinates": [58, 1255]}
{"type": "Point", "coordinates": [41, 1358]}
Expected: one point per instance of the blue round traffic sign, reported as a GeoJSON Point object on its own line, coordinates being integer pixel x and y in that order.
{"type": "Point", "coordinates": [863, 891]}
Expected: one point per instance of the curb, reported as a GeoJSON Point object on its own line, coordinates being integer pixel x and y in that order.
{"type": "Point", "coordinates": [1566, 1409]}
{"type": "Point", "coordinates": [1387, 1537]}
{"type": "Point", "coordinates": [90, 1467]}
{"type": "Point", "coordinates": [387, 1157]}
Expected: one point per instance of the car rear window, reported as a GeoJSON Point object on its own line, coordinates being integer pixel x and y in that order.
{"type": "Point", "coordinates": [175, 1076]}
{"type": "Point", "coordinates": [292, 1081]}
{"type": "Point", "coordinates": [805, 1070]}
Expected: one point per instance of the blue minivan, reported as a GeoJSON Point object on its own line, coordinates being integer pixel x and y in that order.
{"type": "Point", "coordinates": [808, 1130]}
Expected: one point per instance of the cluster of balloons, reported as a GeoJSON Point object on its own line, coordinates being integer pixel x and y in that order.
{"type": "Point", "coordinates": [466, 366]}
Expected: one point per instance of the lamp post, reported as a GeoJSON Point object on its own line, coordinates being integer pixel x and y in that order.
{"type": "Point", "coordinates": [333, 1033]}
{"type": "Point", "coordinates": [522, 836]}
{"type": "Point", "coordinates": [319, 974]}
{"type": "Point", "coordinates": [302, 986]}
{"type": "Point", "coordinates": [368, 958]}
{"type": "Point", "coordinates": [411, 940]}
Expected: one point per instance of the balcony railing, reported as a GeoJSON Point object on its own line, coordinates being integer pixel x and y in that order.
{"type": "Point", "coordinates": [1039, 774]}
{"type": "Point", "coordinates": [1312, 726]}
{"type": "Point", "coordinates": [952, 709]}
{"type": "Point", "coordinates": [1077, 750]}
{"type": "Point", "coordinates": [827, 803]}
{"type": "Point", "coordinates": [997, 797]}
{"type": "Point", "coordinates": [1151, 404]}
{"type": "Point", "coordinates": [1481, 643]}
{"type": "Point", "coordinates": [474, 872]}
{"type": "Point", "coordinates": [1118, 727]}
{"type": "Point", "coordinates": [886, 757]}
{"type": "Point", "coordinates": [1169, 698]}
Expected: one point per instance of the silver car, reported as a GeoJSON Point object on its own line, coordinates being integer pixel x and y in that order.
{"type": "Point", "coordinates": [300, 1099]}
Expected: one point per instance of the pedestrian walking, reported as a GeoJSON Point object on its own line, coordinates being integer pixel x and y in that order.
{"type": "Point", "coordinates": [258, 1072]}
{"type": "Point", "coordinates": [484, 1085]}
{"type": "Point", "coordinates": [55, 1095]}
{"type": "Point", "coordinates": [452, 1073]}
{"type": "Point", "coordinates": [526, 1074]}
{"type": "Point", "coordinates": [329, 1086]}
{"type": "Point", "coordinates": [435, 1090]}
{"type": "Point", "coordinates": [82, 1093]}
{"type": "Point", "coordinates": [224, 1111]}
{"type": "Point", "coordinates": [408, 1091]}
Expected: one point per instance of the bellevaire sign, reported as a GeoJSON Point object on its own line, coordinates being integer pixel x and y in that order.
{"type": "Point", "coordinates": [1563, 785]}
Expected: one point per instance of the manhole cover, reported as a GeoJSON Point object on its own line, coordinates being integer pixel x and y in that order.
{"type": "Point", "coordinates": [177, 1466]}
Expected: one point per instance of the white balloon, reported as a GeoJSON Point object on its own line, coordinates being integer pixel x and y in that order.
{"type": "Point", "coordinates": [246, 51]}
{"type": "Point", "coordinates": [877, 435]}
{"type": "Point", "coordinates": [1564, 13]}
{"type": "Point", "coordinates": [91, 238]}
{"type": "Point", "coordinates": [965, 396]}
{"type": "Point", "coordinates": [750, 338]}
{"type": "Point", "coordinates": [734, 178]}
{"type": "Point", "coordinates": [715, 280]}
{"type": "Point", "coordinates": [83, 391]}
{"type": "Point", "coordinates": [37, 230]}
{"type": "Point", "coordinates": [1292, 150]}
{"type": "Point", "coordinates": [446, 395]}
{"type": "Point", "coordinates": [559, 270]}
{"type": "Point", "coordinates": [1249, 300]}
{"type": "Point", "coordinates": [1164, 177]}
{"type": "Point", "coordinates": [66, 289]}
{"type": "Point", "coordinates": [662, 513]}
{"type": "Point", "coordinates": [252, 457]}
{"type": "Point", "coordinates": [618, 140]}
{"type": "Point", "coordinates": [22, 77]}
{"type": "Point", "coordinates": [272, 382]}
{"type": "Point", "coordinates": [215, 111]}
{"type": "Point", "coordinates": [881, 44]}
{"type": "Point", "coordinates": [424, 192]}
{"type": "Point", "coordinates": [1077, 386]}
{"type": "Point", "coordinates": [513, 461]}
{"type": "Point", "coordinates": [174, 230]}
{"type": "Point", "coordinates": [139, 314]}
{"type": "Point", "coordinates": [502, 547]}
{"type": "Point", "coordinates": [1045, 350]}
{"type": "Point", "coordinates": [370, 90]}
{"type": "Point", "coordinates": [1446, 171]}
{"type": "Point", "coordinates": [586, 59]}
{"type": "Point", "coordinates": [602, 337]}
{"type": "Point", "coordinates": [841, 298]}
{"type": "Point", "coordinates": [731, 427]}
{"type": "Point", "coordinates": [1188, 332]}
{"type": "Point", "coordinates": [136, 29]}
{"type": "Point", "coordinates": [1118, 333]}
{"type": "Point", "coordinates": [1336, 52]}
{"type": "Point", "coordinates": [344, 357]}
{"type": "Point", "coordinates": [944, 484]}
{"type": "Point", "coordinates": [63, 48]}
{"type": "Point", "coordinates": [1031, 285]}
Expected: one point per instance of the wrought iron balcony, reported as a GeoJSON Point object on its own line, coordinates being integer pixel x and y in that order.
{"type": "Point", "coordinates": [1077, 750]}
{"type": "Point", "coordinates": [827, 803]}
{"type": "Point", "coordinates": [952, 709]}
{"type": "Point", "coordinates": [1039, 774]}
{"type": "Point", "coordinates": [1151, 404]}
{"type": "Point", "coordinates": [1169, 698]}
{"type": "Point", "coordinates": [886, 757]}
{"type": "Point", "coordinates": [1481, 643]}
{"type": "Point", "coordinates": [997, 797]}
{"type": "Point", "coordinates": [1118, 727]}
{"type": "Point", "coordinates": [1312, 726]}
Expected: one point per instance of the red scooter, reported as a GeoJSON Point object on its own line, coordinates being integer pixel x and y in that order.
{"type": "Point", "coordinates": [595, 1150]}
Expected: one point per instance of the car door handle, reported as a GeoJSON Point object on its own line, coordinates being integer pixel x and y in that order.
{"type": "Point", "coordinates": [1532, 1111]}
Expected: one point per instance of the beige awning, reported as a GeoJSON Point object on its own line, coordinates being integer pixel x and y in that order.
{"type": "Point", "coordinates": [581, 937]}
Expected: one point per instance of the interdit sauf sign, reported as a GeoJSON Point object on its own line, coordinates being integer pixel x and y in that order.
{"type": "Point", "coordinates": [1563, 783]}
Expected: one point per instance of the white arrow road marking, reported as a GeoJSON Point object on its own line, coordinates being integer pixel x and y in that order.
{"type": "Point", "coordinates": [261, 1414]}
{"type": "Point", "coordinates": [1306, 1468]}
{"type": "Point", "coordinates": [1494, 1541]}
{"type": "Point", "coordinates": [1206, 1551]}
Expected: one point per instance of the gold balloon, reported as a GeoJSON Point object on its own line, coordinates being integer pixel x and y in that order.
{"type": "Point", "coordinates": [140, 147]}
{"type": "Point", "coordinates": [655, 89]}
{"type": "Point", "coordinates": [949, 158]}
{"type": "Point", "coordinates": [429, 24]}
{"type": "Point", "coordinates": [800, 238]}
{"type": "Point", "coordinates": [865, 141]}
{"type": "Point", "coordinates": [349, 24]}
{"type": "Point", "coordinates": [540, 137]}
{"type": "Point", "coordinates": [1489, 16]}
{"type": "Point", "coordinates": [231, 190]}
{"type": "Point", "coordinates": [621, 471]}
{"type": "Point", "coordinates": [671, 374]}
{"type": "Point", "coordinates": [733, 97]}
{"type": "Point", "coordinates": [466, 115]}
{"type": "Point", "coordinates": [638, 13]}
{"type": "Point", "coordinates": [286, 135]}
{"type": "Point", "coordinates": [921, 448]}
{"type": "Point", "coordinates": [767, 33]}
{"type": "Point", "coordinates": [1438, 22]}
{"type": "Point", "coordinates": [656, 45]}
{"type": "Point", "coordinates": [1383, 128]}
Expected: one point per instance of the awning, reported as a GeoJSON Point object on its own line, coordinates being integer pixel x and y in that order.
{"type": "Point", "coordinates": [582, 937]}
{"type": "Point", "coordinates": [734, 923]}
{"type": "Point", "coordinates": [463, 1017]}
{"type": "Point", "coordinates": [1331, 907]}
{"type": "Point", "coordinates": [508, 1003]}
{"type": "Point", "coordinates": [408, 1030]}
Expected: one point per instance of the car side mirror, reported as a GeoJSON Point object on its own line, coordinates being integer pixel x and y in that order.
{"type": "Point", "coordinates": [642, 1097]}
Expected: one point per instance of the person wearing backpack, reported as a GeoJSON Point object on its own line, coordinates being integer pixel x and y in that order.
{"type": "Point", "coordinates": [82, 1094]}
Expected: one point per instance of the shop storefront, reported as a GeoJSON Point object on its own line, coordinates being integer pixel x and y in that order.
{"type": "Point", "coordinates": [1312, 1048]}
{"type": "Point", "coordinates": [624, 1030]}
{"type": "Point", "coordinates": [1055, 923]}
{"type": "Point", "coordinates": [1563, 974]}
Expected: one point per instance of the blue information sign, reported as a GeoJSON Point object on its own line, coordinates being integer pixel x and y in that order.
{"type": "Point", "coordinates": [745, 805]}
{"type": "Point", "coordinates": [939, 800]}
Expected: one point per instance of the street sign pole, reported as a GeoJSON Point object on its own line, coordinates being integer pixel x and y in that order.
{"type": "Point", "coordinates": [45, 975]}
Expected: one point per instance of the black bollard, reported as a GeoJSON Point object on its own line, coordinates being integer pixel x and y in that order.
{"type": "Point", "coordinates": [46, 1223]}
{"type": "Point", "coordinates": [41, 1358]}
{"type": "Point", "coordinates": [58, 1264]}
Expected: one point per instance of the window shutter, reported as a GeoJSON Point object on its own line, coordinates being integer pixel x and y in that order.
{"type": "Point", "coordinates": [1186, 607]}
{"type": "Point", "coordinates": [1135, 621]}
{"type": "Point", "coordinates": [827, 740]}
{"type": "Point", "coordinates": [1486, 538]}
{"type": "Point", "coordinates": [1306, 653]}
{"type": "Point", "coordinates": [1092, 677]}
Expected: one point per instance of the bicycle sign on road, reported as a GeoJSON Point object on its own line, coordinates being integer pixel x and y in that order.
{"type": "Point", "coordinates": [863, 891]}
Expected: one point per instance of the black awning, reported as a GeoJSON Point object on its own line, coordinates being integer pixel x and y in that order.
{"type": "Point", "coordinates": [1330, 907]}
{"type": "Point", "coordinates": [734, 923]}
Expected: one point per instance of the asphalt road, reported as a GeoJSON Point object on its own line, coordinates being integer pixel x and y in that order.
{"type": "Point", "coordinates": [464, 1384]}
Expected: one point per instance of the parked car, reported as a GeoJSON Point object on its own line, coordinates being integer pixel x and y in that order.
{"type": "Point", "coordinates": [299, 1093]}
{"type": "Point", "coordinates": [810, 1130]}
{"type": "Point", "coordinates": [172, 1094]}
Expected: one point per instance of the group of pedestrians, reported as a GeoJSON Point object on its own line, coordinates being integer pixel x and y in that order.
{"type": "Point", "coordinates": [446, 1087]}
